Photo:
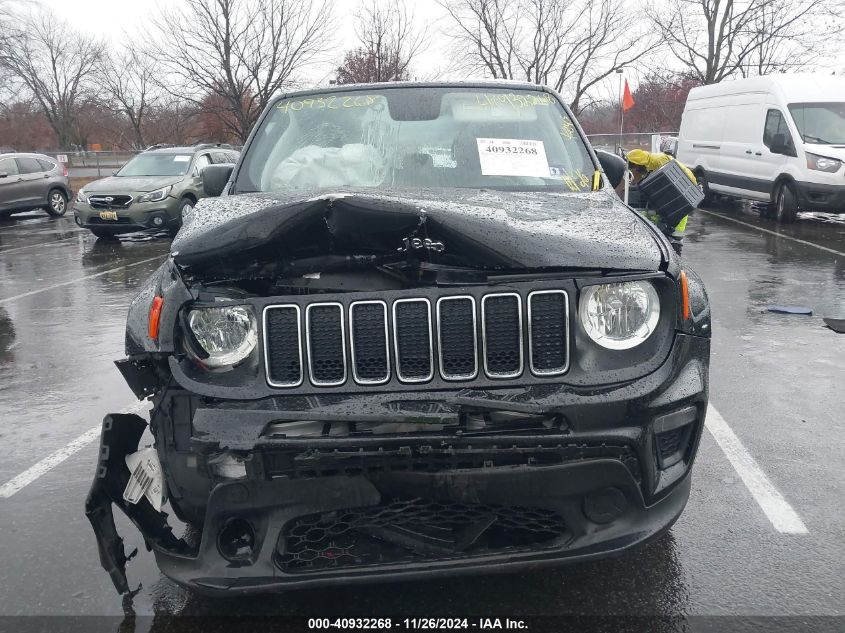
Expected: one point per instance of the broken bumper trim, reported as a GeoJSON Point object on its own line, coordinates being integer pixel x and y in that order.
{"type": "Point", "coordinates": [566, 489]}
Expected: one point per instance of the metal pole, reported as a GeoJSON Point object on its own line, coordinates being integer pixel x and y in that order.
{"type": "Point", "coordinates": [621, 112]}
{"type": "Point", "coordinates": [97, 154]}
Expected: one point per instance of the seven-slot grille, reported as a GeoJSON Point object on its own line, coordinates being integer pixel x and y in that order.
{"type": "Point", "coordinates": [457, 338]}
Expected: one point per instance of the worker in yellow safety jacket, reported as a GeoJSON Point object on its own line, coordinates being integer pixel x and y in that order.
{"type": "Point", "coordinates": [642, 164]}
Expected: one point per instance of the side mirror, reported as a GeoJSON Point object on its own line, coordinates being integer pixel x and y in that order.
{"type": "Point", "coordinates": [214, 179]}
{"type": "Point", "coordinates": [778, 145]}
{"type": "Point", "coordinates": [614, 167]}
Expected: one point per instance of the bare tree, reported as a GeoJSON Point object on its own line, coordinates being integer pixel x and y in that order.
{"type": "Point", "coordinates": [243, 51]}
{"type": "Point", "coordinates": [56, 65]}
{"type": "Point", "coordinates": [387, 44]}
{"type": "Point", "coordinates": [128, 83]}
{"type": "Point", "coordinates": [716, 39]}
{"type": "Point", "coordinates": [569, 45]}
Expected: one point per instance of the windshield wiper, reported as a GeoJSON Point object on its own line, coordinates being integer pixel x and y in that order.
{"type": "Point", "coordinates": [818, 140]}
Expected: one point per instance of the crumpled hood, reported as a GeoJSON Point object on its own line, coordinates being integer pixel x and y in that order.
{"type": "Point", "coordinates": [487, 228]}
{"type": "Point", "coordinates": [130, 184]}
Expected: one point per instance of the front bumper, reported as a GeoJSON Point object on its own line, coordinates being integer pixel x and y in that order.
{"type": "Point", "coordinates": [614, 473]}
{"type": "Point", "coordinates": [139, 216]}
{"type": "Point", "coordinates": [821, 197]}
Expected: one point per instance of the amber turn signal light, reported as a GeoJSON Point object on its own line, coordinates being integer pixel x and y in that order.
{"type": "Point", "coordinates": [685, 294]}
{"type": "Point", "coordinates": [155, 316]}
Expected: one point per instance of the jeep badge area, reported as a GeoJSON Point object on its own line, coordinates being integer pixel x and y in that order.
{"type": "Point", "coordinates": [152, 191]}
{"type": "Point", "coordinates": [418, 335]}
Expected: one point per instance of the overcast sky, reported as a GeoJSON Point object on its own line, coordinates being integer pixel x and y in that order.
{"type": "Point", "coordinates": [111, 18]}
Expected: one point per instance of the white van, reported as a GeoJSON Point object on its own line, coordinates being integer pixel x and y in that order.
{"type": "Point", "coordinates": [778, 138]}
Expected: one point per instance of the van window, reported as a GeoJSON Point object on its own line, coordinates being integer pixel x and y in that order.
{"type": "Point", "coordinates": [822, 123]}
{"type": "Point", "coordinates": [776, 124]}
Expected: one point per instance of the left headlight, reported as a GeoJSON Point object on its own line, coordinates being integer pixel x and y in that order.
{"type": "Point", "coordinates": [155, 196]}
{"type": "Point", "coordinates": [228, 335]}
{"type": "Point", "coordinates": [823, 163]}
{"type": "Point", "coordinates": [81, 196]}
{"type": "Point", "coordinates": [619, 316]}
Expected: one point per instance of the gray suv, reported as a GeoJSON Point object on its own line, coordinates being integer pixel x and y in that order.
{"type": "Point", "coordinates": [33, 181]}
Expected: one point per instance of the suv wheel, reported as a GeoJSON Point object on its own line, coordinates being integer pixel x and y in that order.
{"type": "Point", "coordinates": [186, 205]}
{"type": "Point", "coordinates": [56, 203]}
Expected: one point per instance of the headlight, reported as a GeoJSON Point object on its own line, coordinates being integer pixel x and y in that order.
{"type": "Point", "coordinates": [227, 335]}
{"type": "Point", "coordinates": [620, 316]}
{"type": "Point", "coordinates": [81, 196]}
{"type": "Point", "coordinates": [155, 196]}
{"type": "Point", "coordinates": [822, 163]}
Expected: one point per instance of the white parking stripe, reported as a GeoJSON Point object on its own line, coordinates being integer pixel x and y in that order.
{"type": "Point", "coordinates": [786, 237]}
{"type": "Point", "coordinates": [23, 248]}
{"type": "Point", "coordinates": [54, 459]}
{"type": "Point", "coordinates": [776, 508]}
{"type": "Point", "coordinates": [78, 279]}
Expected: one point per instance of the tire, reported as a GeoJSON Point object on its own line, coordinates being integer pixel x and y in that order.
{"type": "Point", "coordinates": [56, 203]}
{"type": "Point", "coordinates": [786, 204]}
{"type": "Point", "coordinates": [705, 188]}
{"type": "Point", "coordinates": [103, 235]}
{"type": "Point", "coordinates": [186, 205]}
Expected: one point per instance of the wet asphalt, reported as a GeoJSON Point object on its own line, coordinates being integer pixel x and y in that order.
{"type": "Point", "coordinates": [776, 379]}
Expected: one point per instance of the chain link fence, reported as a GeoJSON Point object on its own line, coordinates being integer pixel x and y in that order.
{"type": "Point", "coordinates": [650, 141]}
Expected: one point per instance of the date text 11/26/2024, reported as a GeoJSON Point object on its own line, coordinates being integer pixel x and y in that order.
{"type": "Point", "coordinates": [417, 623]}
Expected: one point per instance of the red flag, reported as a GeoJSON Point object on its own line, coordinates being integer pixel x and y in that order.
{"type": "Point", "coordinates": [627, 99]}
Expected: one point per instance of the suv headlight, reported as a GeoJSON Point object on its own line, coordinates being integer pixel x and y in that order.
{"type": "Point", "coordinates": [81, 196]}
{"type": "Point", "coordinates": [619, 316]}
{"type": "Point", "coordinates": [228, 335]}
{"type": "Point", "coordinates": [156, 196]}
{"type": "Point", "coordinates": [823, 163]}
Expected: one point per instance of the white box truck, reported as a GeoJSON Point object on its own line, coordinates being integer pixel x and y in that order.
{"type": "Point", "coordinates": [778, 139]}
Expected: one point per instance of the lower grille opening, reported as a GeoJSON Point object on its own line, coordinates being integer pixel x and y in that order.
{"type": "Point", "coordinates": [413, 530]}
{"type": "Point", "coordinates": [672, 445]}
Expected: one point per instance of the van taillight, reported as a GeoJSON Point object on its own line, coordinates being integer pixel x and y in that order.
{"type": "Point", "coordinates": [64, 170]}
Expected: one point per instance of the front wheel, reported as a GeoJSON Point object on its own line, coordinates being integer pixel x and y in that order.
{"type": "Point", "coordinates": [56, 203]}
{"type": "Point", "coordinates": [786, 204]}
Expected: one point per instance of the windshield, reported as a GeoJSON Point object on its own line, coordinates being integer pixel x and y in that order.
{"type": "Point", "coordinates": [822, 123]}
{"type": "Point", "coordinates": [418, 137]}
{"type": "Point", "coordinates": [157, 165]}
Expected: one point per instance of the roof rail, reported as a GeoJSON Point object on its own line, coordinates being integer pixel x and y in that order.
{"type": "Point", "coordinates": [158, 146]}
{"type": "Point", "coordinates": [212, 146]}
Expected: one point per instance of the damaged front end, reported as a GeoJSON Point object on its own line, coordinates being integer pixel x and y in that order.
{"type": "Point", "coordinates": [357, 387]}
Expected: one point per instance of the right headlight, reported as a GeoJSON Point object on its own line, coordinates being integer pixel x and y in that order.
{"type": "Point", "coordinates": [81, 196]}
{"type": "Point", "coordinates": [619, 316]}
{"type": "Point", "coordinates": [228, 335]}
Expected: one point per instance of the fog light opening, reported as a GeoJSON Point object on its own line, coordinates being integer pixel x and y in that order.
{"type": "Point", "coordinates": [236, 540]}
{"type": "Point", "coordinates": [605, 505]}
{"type": "Point", "coordinates": [158, 221]}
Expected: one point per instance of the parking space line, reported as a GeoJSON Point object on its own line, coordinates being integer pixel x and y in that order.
{"type": "Point", "coordinates": [52, 460]}
{"type": "Point", "coordinates": [78, 279]}
{"type": "Point", "coordinates": [782, 516]}
{"type": "Point", "coordinates": [22, 248]}
{"type": "Point", "coordinates": [775, 233]}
